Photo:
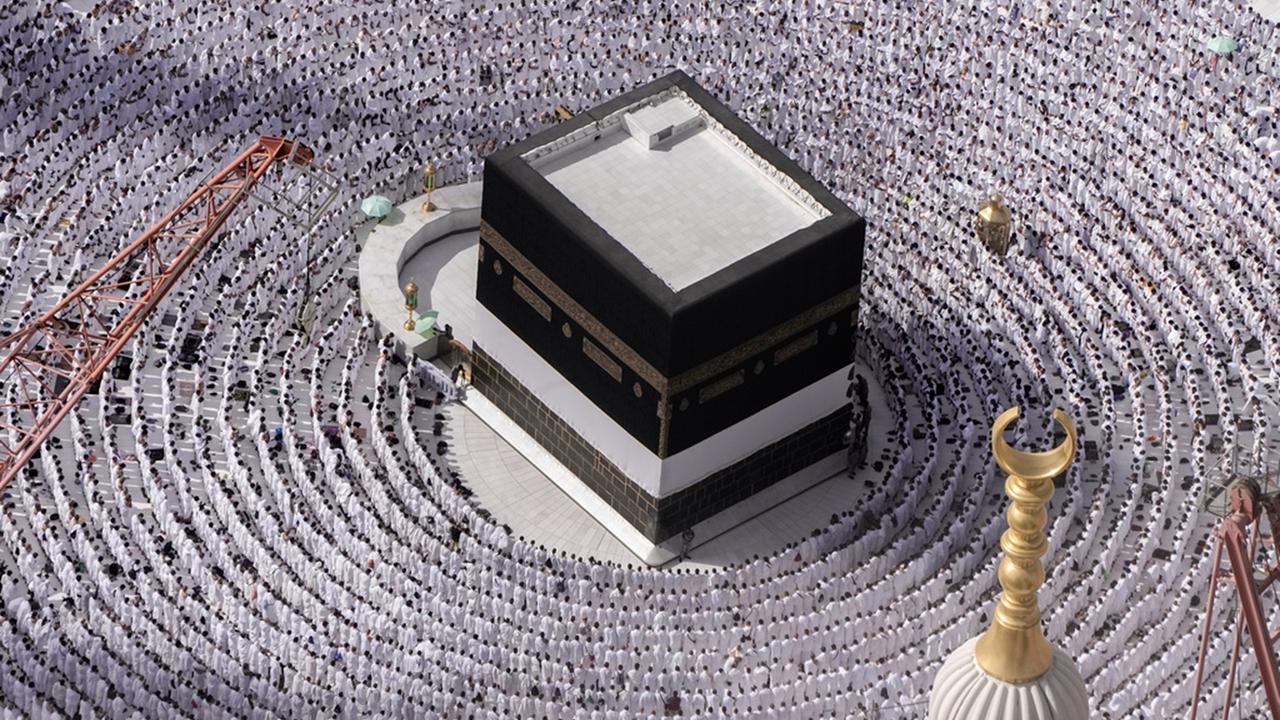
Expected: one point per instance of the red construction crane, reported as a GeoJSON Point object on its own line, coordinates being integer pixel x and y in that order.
{"type": "Point", "coordinates": [1247, 501]}
{"type": "Point", "coordinates": [54, 360]}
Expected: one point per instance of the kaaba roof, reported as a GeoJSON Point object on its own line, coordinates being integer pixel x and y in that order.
{"type": "Point", "coordinates": [672, 222]}
{"type": "Point", "coordinates": [675, 187]}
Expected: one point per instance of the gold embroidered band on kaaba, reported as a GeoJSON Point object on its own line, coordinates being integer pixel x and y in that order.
{"type": "Point", "coordinates": [795, 347]}
{"type": "Point", "coordinates": [605, 362]}
{"type": "Point", "coordinates": [539, 305]}
{"type": "Point", "coordinates": [721, 386]}
{"type": "Point", "coordinates": [665, 386]}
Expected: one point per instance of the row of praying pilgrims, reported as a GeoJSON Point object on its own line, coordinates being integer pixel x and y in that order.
{"type": "Point", "coordinates": [352, 577]}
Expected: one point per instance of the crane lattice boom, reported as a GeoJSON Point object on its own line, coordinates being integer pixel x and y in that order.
{"type": "Point", "coordinates": [51, 362]}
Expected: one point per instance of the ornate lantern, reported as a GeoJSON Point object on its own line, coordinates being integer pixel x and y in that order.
{"type": "Point", "coordinates": [428, 186]}
{"type": "Point", "coordinates": [994, 225]}
{"type": "Point", "coordinates": [410, 304]}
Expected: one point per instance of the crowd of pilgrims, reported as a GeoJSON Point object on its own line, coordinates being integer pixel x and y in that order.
{"type": "Point", "coordinates": [252, 521]}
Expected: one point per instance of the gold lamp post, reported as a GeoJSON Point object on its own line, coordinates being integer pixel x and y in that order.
{"type": "Point", "coordinates": [410, 304]}
{"type": "Point", "coordinates": [428, 186]}
{"type": "Point", "coordinates": [1014, 648]}
{"type": "Point", "coordinates": [995, 224]}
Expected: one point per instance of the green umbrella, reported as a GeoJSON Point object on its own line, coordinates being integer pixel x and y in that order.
{"type": "Point", "coordinates": [376, 206]}
{"type": "Point", "coordinates": [1223, 45]}
{"type": "Point", "coordinates": [426, 324]}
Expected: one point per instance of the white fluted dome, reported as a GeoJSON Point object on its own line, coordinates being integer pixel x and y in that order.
{"type": "Point", "coordinates": [964, 691]}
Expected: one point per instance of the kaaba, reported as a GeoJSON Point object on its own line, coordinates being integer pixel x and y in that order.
{"type": "Point", "coordinates": [666, 303]}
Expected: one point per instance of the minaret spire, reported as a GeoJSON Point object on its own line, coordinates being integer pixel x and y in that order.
{"type": "Point", "coordinates": [1011, 671]}
{"type": "Point", "coordinates": [1014, 648]}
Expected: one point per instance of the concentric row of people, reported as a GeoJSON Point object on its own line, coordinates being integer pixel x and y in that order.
{"type": "Point", "coordinates": [254, 518]}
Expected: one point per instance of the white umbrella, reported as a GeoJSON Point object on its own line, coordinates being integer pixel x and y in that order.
{"type": "Point", "coordinates": [1269, 9]}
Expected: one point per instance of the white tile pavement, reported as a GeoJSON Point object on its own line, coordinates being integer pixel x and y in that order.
{"type": "Point", "coordinates": [387, 245]}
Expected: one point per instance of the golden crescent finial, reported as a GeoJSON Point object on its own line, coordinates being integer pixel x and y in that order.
{"type": "Point", "coordinates": [1014, 648]}
{"type": "Point", "coordinates": [1032, 465]}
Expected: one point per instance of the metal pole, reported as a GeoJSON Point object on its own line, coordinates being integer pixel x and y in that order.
{"type": "Point", "coordinates": [1250, 606]}
{"type": "Point", "coordinates": [1231, 670]}
{"type": "Point", "coordinates": [1208, 622]}
{"type": "Point", "coordinates": [306, 287]}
